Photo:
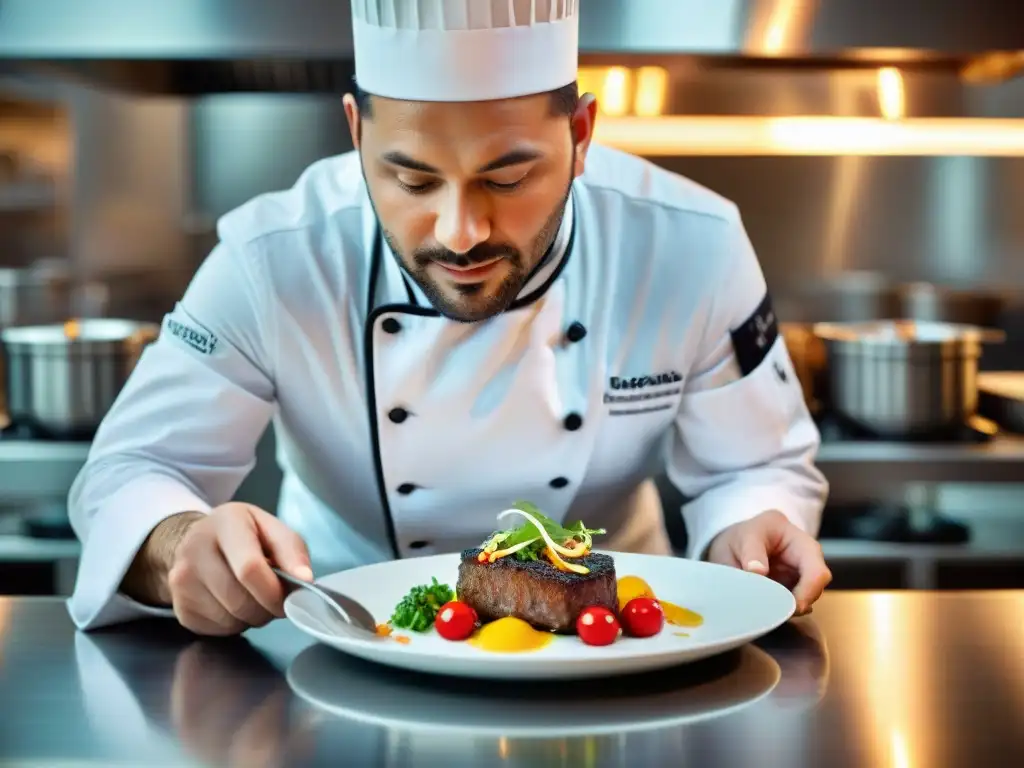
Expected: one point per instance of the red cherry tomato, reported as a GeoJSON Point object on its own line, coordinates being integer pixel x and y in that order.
{"type": "Point", "coordinates": [643, 617]}
{"type": "Point", "coordinates": [597, 625]}
{"type": "Point", "coordinates": [455, 621]}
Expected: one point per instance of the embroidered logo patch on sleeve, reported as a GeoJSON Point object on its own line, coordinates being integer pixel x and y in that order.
{"type": "Point", "coordinates": [753, 340]}
{"type": "Point", "coordinates": [200, 339]}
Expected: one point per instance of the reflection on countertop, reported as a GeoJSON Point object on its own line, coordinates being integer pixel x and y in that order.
{"type": "Point", "coordinates": [868, 679]}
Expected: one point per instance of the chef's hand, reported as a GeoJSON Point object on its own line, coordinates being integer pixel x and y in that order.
{"type": "Point", "coordinates": [213, 569]}
{"type": "Point", "coordinates": [771, 545]}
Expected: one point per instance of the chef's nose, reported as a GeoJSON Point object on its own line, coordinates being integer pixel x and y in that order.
{"type": "Point", "coordinates": [461, 223]}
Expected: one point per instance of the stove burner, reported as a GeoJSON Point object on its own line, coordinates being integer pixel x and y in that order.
{"type": "Point", "coordinates": [892, 523]}
{"type": "Point", "coordinates": [835, 428]}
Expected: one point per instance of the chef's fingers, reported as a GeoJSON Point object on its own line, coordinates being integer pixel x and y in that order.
{"type": "Point", "coordinates": [815, 575]}
{"type": "Point", "coordinates": [222, 580]}
{"type": "Point", "coordinates": [750, 550]}
{"type": "Point", "coordinates": [195, 607]}
{"type": "Point", "coordinates": [241, 546]}
{"type": "Point", "coordinates": [285, 547]}
{"type": "Point", "coordinates": [784, 574]}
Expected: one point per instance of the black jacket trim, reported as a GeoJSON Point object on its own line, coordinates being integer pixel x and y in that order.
{"type": "Point", "coordinates": [413, 308]}
{"type": "Point", "coordinates": [371, 394]}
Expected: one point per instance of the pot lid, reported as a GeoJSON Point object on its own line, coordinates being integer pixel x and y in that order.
{"type": "Point", "coordinates": [86, 330]}
{"type": "Point", "coordinates": [897, 332]}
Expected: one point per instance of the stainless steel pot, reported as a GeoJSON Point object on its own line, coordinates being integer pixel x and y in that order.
{"type": "Point", "coordinates": [904, 379]}
{"type": "Point", "coordinates": [63, 379]}
{"type": "Point", "coordinates": [34, 295]}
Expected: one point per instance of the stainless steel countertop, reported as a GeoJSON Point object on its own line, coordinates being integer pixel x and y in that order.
{"type": "Point", "coordinates": [909, 680]}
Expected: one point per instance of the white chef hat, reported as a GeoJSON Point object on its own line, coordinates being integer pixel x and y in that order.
{"type": "Point", "coordinates": [464, 50]}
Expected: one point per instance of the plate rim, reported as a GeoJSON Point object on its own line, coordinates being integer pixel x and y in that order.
{"type": "Point", "coordinates": [352, 644]}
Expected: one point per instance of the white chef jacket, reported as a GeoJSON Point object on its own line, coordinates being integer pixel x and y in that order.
{"type": "Point", "coordinates": [644, 342]}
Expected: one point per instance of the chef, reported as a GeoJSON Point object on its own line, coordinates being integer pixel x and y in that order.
{"type": "Point", "coordinates": [473, 307]}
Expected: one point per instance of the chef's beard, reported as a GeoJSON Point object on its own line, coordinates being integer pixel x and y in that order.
{"type": "Point", "coordinates": [472, 309]}
{"type": "Point", "coordinates": [521, 267]}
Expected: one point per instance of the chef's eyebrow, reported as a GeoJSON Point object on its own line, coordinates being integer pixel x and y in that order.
{"type": "Point", "coordinates": [404, 161]}
{"type": "Point", "coordinates": [513, 157]}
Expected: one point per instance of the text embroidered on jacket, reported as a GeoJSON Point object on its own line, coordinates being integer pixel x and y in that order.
{"type": "Point", "coordinates": [203, 341]}
{"type": "Point", "coordinates": [642, 382]}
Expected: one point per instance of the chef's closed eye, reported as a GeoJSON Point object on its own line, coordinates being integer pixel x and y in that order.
{"type": "Point", "coordinates": [503, 183]}
{"type": "Point", "coordinates": [507, 182]}
{"type": "Point", "coordinates": [416, 184]}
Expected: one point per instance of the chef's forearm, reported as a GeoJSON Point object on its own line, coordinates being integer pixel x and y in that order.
{"type": "Point", "coordinates": [146, 578]}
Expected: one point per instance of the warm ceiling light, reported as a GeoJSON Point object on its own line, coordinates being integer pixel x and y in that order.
{"type": "Point", "coordinates": [622, 91]}
{"type": "Point", "coordinates": [651, 88]}
{"type": "Point", "coordinates": [994, 67]}
{"type": "Point", "coordinates": [615, 91]}
{"type": "Point", "coordinates": [892, 100]}
{"type": "Point", "coordinates": [748, 135]}
{"type": "Point", "coordinates": [783, 28]}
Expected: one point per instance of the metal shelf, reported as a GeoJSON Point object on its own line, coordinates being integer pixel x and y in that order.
{"type": "Point", "coordinates": [33, 470]}
{"type": "Point", "coordinates": [850, 550]}
{"type": "Point", "coordinates": [24, 196]}
{"type": "Point", "coordinates": [18, 548]}
{"type": "Point", "coordinates": [999, 461]}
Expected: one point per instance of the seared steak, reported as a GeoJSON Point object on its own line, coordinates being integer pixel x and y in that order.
{"type": "Point", "coordinates": [536, 591]}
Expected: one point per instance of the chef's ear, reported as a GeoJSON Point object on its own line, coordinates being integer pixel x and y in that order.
{"type": "Point", "coordinates": [353, 117]}
{"type": "Point", "coordinates": [583, 120]}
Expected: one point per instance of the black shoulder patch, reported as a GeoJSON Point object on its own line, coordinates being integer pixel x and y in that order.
{"type": "Point", "coordinates": [754, 338]}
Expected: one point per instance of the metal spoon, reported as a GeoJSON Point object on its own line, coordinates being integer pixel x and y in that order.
{"type": "Point", "coordinates": [344, 606]}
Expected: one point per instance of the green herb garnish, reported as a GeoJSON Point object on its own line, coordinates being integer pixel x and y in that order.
{"type": "Point", "coordinates": [418, 609]}
{"type": "Point", "coordinates": [525, 541]}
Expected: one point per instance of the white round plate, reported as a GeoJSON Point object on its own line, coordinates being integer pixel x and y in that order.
{"type": "Point", "coordinates": [737, 607]}
{"type": "Point", "coordinates": [360, 693]}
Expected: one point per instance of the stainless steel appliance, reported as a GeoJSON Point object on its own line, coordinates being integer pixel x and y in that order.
{"type": "Point", "coordinates": [904, 379]}
{"type": "Point", "coordinates": [925, 301]}
{"type": "Point", "coordinates": [263, 45]}
{"type": "Point", "coordinates": [62, 379]}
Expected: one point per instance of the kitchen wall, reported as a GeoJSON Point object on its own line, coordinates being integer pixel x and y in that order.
{"type": "Point", "coordinates": [151, 175]}
{"type": "Point", "coordinates": [957, 221]}
{"type": "Point", "coordinates": [34, 182]}
{"type": "Point", "coordinates": [954, 220]}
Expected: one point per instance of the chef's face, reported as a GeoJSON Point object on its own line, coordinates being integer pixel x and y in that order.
{"type": "Point", "coordinates": [470, 196]}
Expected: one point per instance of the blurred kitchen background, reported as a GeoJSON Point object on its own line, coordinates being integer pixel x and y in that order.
{"type": "Point", "coordinates": [876, 148]}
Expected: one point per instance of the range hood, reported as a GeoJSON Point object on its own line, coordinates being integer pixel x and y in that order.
{"type": "Point", "coordinates": [195, 47]}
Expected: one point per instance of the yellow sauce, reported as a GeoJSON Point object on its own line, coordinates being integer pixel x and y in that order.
{"type": "Point", "coordinates": [630, 587]}
{"type": "Point", "coordinates": [679, 616]}
{"type": "Point", "coordinates": [509, 635]}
